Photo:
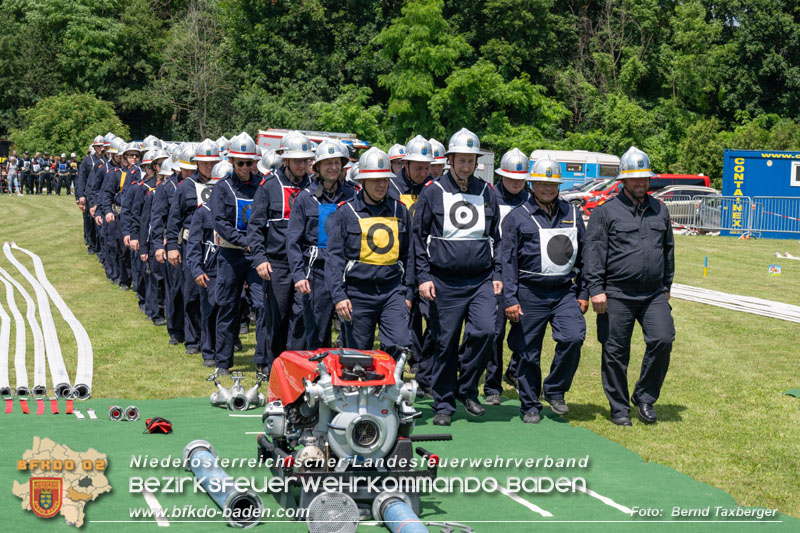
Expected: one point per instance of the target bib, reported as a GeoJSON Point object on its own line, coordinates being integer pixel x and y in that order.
{"type": "Point", "coordinates": [380, 240]}
{"type": "Point", "coordinates": [558, 248]}
{"type": "Point", "coordinates": [203, 193]}
{"type": "Point", "coordinates": [463, 216]}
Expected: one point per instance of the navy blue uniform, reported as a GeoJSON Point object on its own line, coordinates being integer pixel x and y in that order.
{"type": "Point", "coordinates": [181, 209]}
{"type": "Point", "coordinates": [173, 299]}
{"type": "Point", "coordinates": [201, 258]}
{"type": "Point", "coordinates": [367, 255]}
{"type": "Point", "coordinates": [266, 235]}
{"type": "Point", "coordinates": [89, 227]}
{"type": "Point", "coordinates": [630, 257]}
{"type": "Point", "coordinates": [456, 240]}
{"type": "Point", "coordinates": [493, 384]}
{"type": "Point", "coordinates": [231, 203]}
{"type": "Point", "coordinates": [133, 203]}
{"type": "Point", "coordinates": [115, 185]}
{"type": "Point", "coordinates": [306, 247]}
{"type": "Point", "coordinates": [541, 255]}
{"type": "Point", "coordinates": [154, 299]}
{"type": "Point", "coordinates": [93, 186]}
{"type": "Point", "coordinates": [403, 189]}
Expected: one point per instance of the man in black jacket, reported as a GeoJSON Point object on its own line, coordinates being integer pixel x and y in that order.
{"type": "Point", "coordinates": [628, 268]}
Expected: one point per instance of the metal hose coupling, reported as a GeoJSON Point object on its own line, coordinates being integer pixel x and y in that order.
{"type": "Point", "coordinates": [255, 398]}
{"type": "Point", "coordinates": [238, 400]}
{"type": "Point", "coordinates": [241, 508]}
{"type": "Point", "coordinates": [220, 397]}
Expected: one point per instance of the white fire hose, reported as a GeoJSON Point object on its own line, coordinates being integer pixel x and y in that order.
{"type": "Point", "coordinates": [83, 375]}
{"type": "Point", "coordinates": [19, 350]}
{"type": "Point", "coordinates": [745, 304]}
{"type": "Point", "coordinates": [39, 375]}
{"type": "Point", "coordinates": [55, 360]}
{"type": "Point", "coordinates": [5, 337]}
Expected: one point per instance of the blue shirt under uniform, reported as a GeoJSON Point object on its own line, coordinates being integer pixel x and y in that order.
{"type": "Point", "coordinates": [307, 238]}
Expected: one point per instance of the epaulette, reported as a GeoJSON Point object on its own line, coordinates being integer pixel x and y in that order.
{"type": "Point", "coordinates": [490, 185]}
{"type": "Point", "coordinates": [429, 183]}
{"type": "Point", "coordinates": [263, 181]}
{"type": "Point", "coordinates": [340, 204]}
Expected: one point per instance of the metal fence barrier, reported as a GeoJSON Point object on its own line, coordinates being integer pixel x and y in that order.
{"type": "Point", "coordinates": [736, 214]}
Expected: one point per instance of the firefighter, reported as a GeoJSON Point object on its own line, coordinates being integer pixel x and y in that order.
{"type": "Point", "coordinates": [129, 223]}
{"type": "Point", "coordinates": [195, 172]}
{"type": "Point", "coordinates": [231, 203]}
{"type": "Point", "coordinates": [94, 184]}
{"type": "Point", "coordinates": [439, 159]}
{"type": "Point", "coordinates": [267, 235]}
{"type": "Point", "coordinates": [173, 275]}
{"type": "Point", "coordinates": [270, 161]}
{"type": "Point", "coordinates": [396, 154]}
{"type": "Point", "coordinates": [307, 240]}
{"type": "Point", "coordinates": [406, 187]}
{"type": "Point", "coordinates": [201, 260]}
{"type": "Point", "coordinates": [541, 253]}
{"type": "Point", "coordinates": [456, 240]}
{"type": "Point", "coordinates": [628, 270]}
{"type": "Point", "coordinates": [367, 252]}
{"type": "Point", "coordinates": [116, 182]}
{"type": "Point", "coordinates": [156, 280]}
{"type": "Point", "coordinates": [84, 169]}
{"type": "Point", "coordinates": [510, 192]}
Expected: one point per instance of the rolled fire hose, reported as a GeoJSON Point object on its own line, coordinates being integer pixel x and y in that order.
{"type": "Point", "coordinates": [83, 375]}
{"type": "Point", "coordinates": [5, 337]}
{"type": "Point", "coordinates": [241, 508]}
{"type": "Point", "coordinates": [55, 360]}
{"type": "Point", "coordinates": [39, 373]}
{"type": "Point", "coordinates": [19, 347]}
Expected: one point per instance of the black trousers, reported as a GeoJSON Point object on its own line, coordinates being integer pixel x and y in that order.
{"type": "Point", "coordinates": [614, 330]}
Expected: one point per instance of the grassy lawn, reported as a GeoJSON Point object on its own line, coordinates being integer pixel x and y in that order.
{"type": "Point", "coordinates": [723, 419]}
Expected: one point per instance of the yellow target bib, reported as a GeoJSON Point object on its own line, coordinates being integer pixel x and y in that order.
{"type": "Point", "coordinates": [380, 241]}
{"type": "Point", "coordinates": [409, 200]}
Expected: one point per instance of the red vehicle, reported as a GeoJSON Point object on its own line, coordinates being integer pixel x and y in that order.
{"type": "Point", "coordinates": [592, 200]}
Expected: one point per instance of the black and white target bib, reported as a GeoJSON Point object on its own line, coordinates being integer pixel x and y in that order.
{"type": "Point", "coordinates": [558, 247]}
{"type": "Point", "coordinates": [464, 217]}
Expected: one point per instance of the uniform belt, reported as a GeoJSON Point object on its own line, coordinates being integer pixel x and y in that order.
{"type": "Point", "coordinates": [183, 235]}
{"type": "Point", "coordinates": [225, 244]}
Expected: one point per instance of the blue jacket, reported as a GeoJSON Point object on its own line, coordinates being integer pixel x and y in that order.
{"type": "Point", "coordinates": [145, 235]}
{"type": "Point", "coordinates": [456, 244]}
{"type": "Point", "coordinates": [160, 210]}
{"type": "Point", "coordinates": [201, 252]}
{"type": "Point", "coordinates": [95, 182]}
{"type": "Point", "coordinates": [347, 247]}
{"type": "Point", "coordinates": [269, 222]}
{"type": "Point", "coordinates": [232, 202]}
{"type": "Point", "coordinates": [181, 208]}
{"type": "Point", "coordinates": [84, 169]}
{"type": "Point", "coordinates": [132, 219]}
{"type": "Point", "coordinates": [306, 243]}
{"type": "Point", "coordinates": [521, 249]}
{"type": "Point", "coordinates": [116, 181]}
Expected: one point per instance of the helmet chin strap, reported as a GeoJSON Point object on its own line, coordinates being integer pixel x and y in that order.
{"type": "Point", "coordinates": [547, 206]}
{"type": "Point", "coordinates": [374, 201]}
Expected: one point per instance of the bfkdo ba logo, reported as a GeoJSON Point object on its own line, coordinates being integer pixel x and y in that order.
{"type": "Point", "coordinates": [46, 496]}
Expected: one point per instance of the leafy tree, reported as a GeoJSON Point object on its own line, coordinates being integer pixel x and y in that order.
{"type": "Point", "coordinates": [194, 76]}
{"type": "Point", "coordinates": [349, 113]}
{"type": "Point", "coordinates": [424, 50]}
{"type": "Point", "coordinates": [66, 123]}
{"type": "Point", "coordinates": [507, 114]}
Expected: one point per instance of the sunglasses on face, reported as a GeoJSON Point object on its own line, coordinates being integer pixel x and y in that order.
{"type": "Point", "coordinates": [244, 163]}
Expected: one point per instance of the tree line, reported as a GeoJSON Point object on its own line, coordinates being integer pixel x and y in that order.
{"type": "Point", "coordinates": [680, 79]}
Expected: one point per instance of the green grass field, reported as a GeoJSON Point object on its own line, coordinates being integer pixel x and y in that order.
{"type": "Point", "coordinates": [723, 419]}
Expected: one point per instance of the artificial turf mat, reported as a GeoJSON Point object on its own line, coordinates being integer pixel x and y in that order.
{"type": "Point", "coordinates": [793, 392]}
{"type": "Point", "coordinates": [614, 472]}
